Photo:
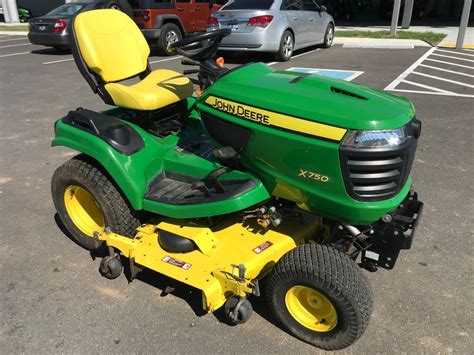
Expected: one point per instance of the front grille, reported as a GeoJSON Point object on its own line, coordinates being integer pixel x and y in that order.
{"type": "Point", "coordinates": [377, 174]}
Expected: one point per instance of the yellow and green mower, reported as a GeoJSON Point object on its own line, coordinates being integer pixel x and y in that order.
{"type": "Point", "coordinates": [261, 181]}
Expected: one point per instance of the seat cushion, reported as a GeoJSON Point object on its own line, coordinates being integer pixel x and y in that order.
{"type": "Point", "coordinates": [159, 89]}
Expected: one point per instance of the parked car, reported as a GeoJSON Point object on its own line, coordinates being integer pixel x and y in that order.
{"type": "Point", "coordinates": [51, 30]}
{"type": "Point", "coordinates": [276, 26]}
{"type": "Point", "coordinates": [165, 22]}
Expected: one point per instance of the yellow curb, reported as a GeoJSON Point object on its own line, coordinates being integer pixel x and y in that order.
{"type": "Point", "coordinates": [453, 45]}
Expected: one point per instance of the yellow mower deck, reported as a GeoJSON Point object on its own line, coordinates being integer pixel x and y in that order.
{"type": "Point", "coordinates": [213, 267]}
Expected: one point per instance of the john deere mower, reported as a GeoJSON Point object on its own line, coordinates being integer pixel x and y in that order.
{"type": "Point", "coordinates": [259, 181]}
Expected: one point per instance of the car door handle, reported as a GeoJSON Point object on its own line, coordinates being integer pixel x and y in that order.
{"type": "Point", "coordinates": [197, 9]}
{"type": "Point", "coordinates": [311, 19]}
{"type": "Point", "coordinates": [180, 9]}
{"type": "Point", "coordinates": [295, 18]}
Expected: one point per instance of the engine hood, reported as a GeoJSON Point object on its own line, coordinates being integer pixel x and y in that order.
{"type": "Point", "coordinates": [325, 100]}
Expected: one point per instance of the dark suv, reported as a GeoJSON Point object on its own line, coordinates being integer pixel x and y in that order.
{"type": "Point", "coordinates": [166, 21]}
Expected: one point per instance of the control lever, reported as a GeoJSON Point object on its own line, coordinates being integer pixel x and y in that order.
{"type": "Point", "coordinates": [191, 71]}
{"type": "Point", "coordinates": [189, 62]}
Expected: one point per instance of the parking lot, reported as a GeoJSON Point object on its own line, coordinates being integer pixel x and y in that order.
{"type": "Point", "coordinates": [53, 300]}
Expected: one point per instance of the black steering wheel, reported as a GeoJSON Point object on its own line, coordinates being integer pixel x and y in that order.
{"type": "Point", "coordinates": [202, 46]}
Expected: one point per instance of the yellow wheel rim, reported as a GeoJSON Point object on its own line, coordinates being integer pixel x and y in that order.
{"type": "Point", "coordinates": [84, 210]}
{"type": "Point", "coordinates": [311, 308]}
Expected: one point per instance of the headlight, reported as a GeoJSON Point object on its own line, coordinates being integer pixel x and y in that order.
{"type": "Point", "coordinates": [375, 139]}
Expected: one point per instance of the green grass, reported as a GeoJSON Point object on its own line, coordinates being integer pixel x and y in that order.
{"type": "Point", "coordinates": [14, 28]}
{"type": "Point", "coordinates": [429, 37]}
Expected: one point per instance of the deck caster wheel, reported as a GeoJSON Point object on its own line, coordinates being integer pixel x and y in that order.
{"type": "Point", "coordinates": [110, 267]}
{"type": "Point", "coordinates": [238, 310]}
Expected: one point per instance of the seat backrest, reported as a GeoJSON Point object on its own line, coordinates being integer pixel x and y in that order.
{"type": "Point", "coordinates": [110, 44]}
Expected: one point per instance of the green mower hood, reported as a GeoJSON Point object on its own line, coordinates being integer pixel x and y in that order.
{"type": "Point", "coordinates": [325, 100]}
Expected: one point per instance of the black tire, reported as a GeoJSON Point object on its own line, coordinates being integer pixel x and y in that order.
{"type": "Point", "coordinates": [329, 36]}
{"type": "Point", "coordinates": [244, 312]}
{"type": "Point", "coordinates": [170, 33]}
{"type": "Point", "coordinates": [335, 276]}
{"type": "Point", "coordinates": [287, 45]}
{"type": "Point", "coordinates": [85, 173]}
{"type": "Point", "coordinates": [111, 267]}
{"type": "Point", "coordinates": [121, 5]}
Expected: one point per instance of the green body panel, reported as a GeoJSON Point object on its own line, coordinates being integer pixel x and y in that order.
{"type": "Point", "coordinates": [311, 98]}
{"type": "Point", "coordinates": [277, 157]}
{"type": "Point", "coordinates": [274, 157]}
{"type": "Point", "coordinates": [134, 173]}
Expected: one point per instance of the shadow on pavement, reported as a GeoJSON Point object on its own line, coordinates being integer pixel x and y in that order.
{"type": "Point", "coordinates": [51, 51]}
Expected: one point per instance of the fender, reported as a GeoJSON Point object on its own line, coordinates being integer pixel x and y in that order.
{"type": "Point", "coordinates": [160, 19]}
{"type": "Point", "coordinates": [131, 171]}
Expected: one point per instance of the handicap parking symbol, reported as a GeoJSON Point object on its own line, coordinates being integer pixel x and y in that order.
{"type": "Point", "coordinates": [347, 75]}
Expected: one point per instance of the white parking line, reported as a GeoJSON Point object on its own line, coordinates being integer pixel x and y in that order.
{"type": "Point", "coordinates": [59, 61]}
{"type": "Point", "coordinates": [432, 92]}
{"type": "Point", "coordinates": [443, 79]}
{"type": "Point", "coordinates": [402, 78]}
{"type": "Point", "coordinates": [13, 54]}
{"type": "Point", "coordinates": [438, 90]}
{"type": "Point", "coordinates": [446, 70]}
{"type": "Point", "coordinates": [12, 39]}
{"type": "Point", "coordinates": [467, 49]}
{"type": "Point", "coordinates": [444, 50]}
{"type": "Point", "coordinates": [166, 60]}
{"type": "Point", "coordinates": [296, 56]}
{"type": "Point", "coordinates": [450, 63]}
{"type": "Point", "coordinates": [407, 72]}
{"type": "Point", "coordinates": [450, 56]}
{"type": "Point", "coordinates": [16, 45]}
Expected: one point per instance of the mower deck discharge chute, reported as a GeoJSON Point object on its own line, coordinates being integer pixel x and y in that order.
{"type": "Point", "coordinates": [260, 177]}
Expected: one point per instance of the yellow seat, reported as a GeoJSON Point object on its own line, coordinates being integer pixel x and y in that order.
{"type": "Point", "coordinates": [108, 47]}
{"type": "Point", "coordinates": [159, 89]}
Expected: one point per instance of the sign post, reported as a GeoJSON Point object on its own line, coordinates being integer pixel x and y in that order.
{"type": "Point", "coordinates": [10, 11]}
{"type": "Point", "coordinates": [407, 13]}
{"type": "Point", "coordinates": [395, 15]}
{"type": "Point", "coordinates": [464, 20]}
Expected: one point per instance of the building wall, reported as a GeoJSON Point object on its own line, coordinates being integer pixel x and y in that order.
{"type": "Point", "coordinates": [40, 7]}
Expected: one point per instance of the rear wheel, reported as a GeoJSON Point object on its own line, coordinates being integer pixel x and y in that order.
{"type": "Point", "coordinates": [170, 33]}
{"type": "Point", "coordinates": [320, 296]}
{"type": "Point", "coordinates": [329, 36]}
{"type": "Point", "coordinates": [287, 44]}
{"type": "Point", "coordinates": [121, 5]}
{"type": "Point", "coordinates": [87, 202]}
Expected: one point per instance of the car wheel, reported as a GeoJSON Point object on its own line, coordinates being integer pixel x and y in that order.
{"type": "Point", "coordinates": [170, 33]}
{"type": "Point", "coordinates": [121, 5]}
{"type": "Point", "coordinates": [287, 44]}
{"type": "Point", "coordinates": [87, 201]}
{"type": "Point", "coordinates": [329, 36]}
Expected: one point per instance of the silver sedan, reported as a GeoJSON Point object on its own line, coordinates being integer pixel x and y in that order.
{"type": "Point", "coordinates": [276, 26]}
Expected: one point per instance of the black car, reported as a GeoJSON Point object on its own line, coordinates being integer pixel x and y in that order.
{"type": "Point", "coordinates": [52, 29]}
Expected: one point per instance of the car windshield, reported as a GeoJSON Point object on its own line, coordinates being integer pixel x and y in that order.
{"type": "Point", "coordinates": [65, 10]}
{"type": "Point", "coordinates": [249, 5]}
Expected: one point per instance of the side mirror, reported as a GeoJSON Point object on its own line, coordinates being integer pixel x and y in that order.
{"type": "Point", "coordinates": [323, 8]}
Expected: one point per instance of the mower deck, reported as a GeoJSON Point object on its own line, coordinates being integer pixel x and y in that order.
{"type": "Point", "coordinates": [227, 259]}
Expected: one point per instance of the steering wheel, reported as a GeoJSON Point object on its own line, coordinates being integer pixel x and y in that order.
{"type": "Point", "coordinates": [195, 48]}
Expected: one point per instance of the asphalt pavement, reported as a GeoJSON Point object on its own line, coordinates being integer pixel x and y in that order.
{"type": "Point", "coordinates": [53, 300]}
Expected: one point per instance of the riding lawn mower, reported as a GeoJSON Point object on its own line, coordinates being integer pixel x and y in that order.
{"type": "Point", "coordinates": [262, 181]}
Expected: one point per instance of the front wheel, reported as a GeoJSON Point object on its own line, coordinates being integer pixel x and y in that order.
{"type": "Point", "coordinates": [87, 202]}
{"type": "Point", "coordinates": [287, 44]}
{"type": "Point", "coordinates": [320, 296]}
{"type": "Point", "coordinates": [170, 33]}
